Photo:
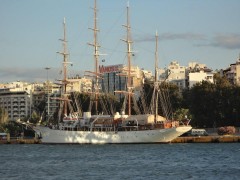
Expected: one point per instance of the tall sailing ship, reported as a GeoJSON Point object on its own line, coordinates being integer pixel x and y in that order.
{"type": "Point", "coordinates": [117, 128]}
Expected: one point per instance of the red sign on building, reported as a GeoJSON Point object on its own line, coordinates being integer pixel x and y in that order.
{"type": "Point", "coordinates": [109, 69]}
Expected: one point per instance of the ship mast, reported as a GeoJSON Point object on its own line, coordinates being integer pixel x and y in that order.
{"type": "Point", "coordinates": [156, 79]}
{"type": "Point", "coordinates": [96, 55]}
{"type": "Point", "coordinates": [129, 54]}
{"type": "Point", "coordinates": [65, 55]}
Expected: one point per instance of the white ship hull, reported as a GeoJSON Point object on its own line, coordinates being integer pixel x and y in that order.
{"type": "Point", "coordinates": [110, 137]}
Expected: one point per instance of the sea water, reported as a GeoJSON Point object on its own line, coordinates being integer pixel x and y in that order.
{"type": "Point", "coordinates": [133, 161]}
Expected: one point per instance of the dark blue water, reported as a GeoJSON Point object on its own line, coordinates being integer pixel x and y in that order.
{"type": "Point", "coordinates": [142, 161]}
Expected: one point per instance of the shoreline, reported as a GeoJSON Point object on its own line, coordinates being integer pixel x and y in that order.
{"type": "Point", "coordinates": [188, 139]}
{"type": "Point", "coordinates": [208, 139]}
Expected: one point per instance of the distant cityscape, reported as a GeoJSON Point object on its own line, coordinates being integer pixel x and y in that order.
{"type": "Point", "coordinates": [20, 98]}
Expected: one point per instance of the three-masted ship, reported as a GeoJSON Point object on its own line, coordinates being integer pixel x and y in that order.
{"type": "Point", "coordinates": [117, 128]}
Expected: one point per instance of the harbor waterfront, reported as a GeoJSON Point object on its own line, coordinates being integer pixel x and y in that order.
{"type": "Point", "coordinates": [120, 102]}
{"type": "Point", "coordinates": [189, 139]}
{"type": "Point", "coordinates": [140, 161]}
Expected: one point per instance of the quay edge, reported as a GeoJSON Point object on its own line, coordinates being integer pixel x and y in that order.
{"type": "Point", "coordinates": [192, 139]}
{"type": "Point", "coordinates": [208, 139]}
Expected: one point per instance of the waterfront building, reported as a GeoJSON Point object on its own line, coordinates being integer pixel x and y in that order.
{"type": "Point", "coordinates": [16, 103]}
{"type": "Point", "coordinates": [19, 86]}
{"type": "Point", "coordinates": [2, 86]}
{"type": "Point", "coordinates": [53, 91]}
{"type": "Point", "coordinates": [20, 99]}
{"type": "Point", "coordinates": [196, 77]}
{"type": "Point", "coordinates": [176, 71]}
{"type": "Point", "coordinates": [186, 77]}
{"type": "Point", "coordinates": [195, 66]}
{"type": "Point", "coordinates": [233, 72]}
{"type": "Point", "coordinates": [175, 74]}
{"type": "Point", "coordinates": [50, 92]}
{"type": "Point", "coordinates": [79, 84]}
{"type": "Point", "coordinates": [197, 72]}
{"type": "Point", "coordinates": [114, 78]}
{"type": "Point", "coordinates": [39, 97]}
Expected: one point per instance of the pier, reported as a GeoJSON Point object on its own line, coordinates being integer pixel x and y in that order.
{"type": "Point", "coordinates": [208, 139]}
{"type": "Point", "coordinates": [189, 139]}
{"type": "Point", "coordinates": [19, 140]}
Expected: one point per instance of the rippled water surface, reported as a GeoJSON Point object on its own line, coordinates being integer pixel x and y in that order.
{"type": "Point", "coordinates": [140, 161]}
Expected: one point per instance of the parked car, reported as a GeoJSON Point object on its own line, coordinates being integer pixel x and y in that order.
{"type": "Point", "coordinates": [3, 136]}
{"type": "Point", "coordinates": [198, 132]}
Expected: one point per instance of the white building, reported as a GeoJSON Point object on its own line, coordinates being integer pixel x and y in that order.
{"type": "Point", "coordinates": [195, 66]}
{"type": "Point", "coordinates": [79, 84]}
{"type": "Point", "coordinates": [186, 77]}
{"type": "Point", "coordinates": [195, 77]}
{"type": "Point", "coordinates": [233, 72]}
{"type": "Point", "coordinates": [197, 73]}
{"type": "Point", "coordinates": [175, 74]}
{"type": "Point", "coordinates": [19, 86]}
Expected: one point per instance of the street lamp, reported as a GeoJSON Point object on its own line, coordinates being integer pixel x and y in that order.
{"type": "Point", "coordinates": [47, 68]}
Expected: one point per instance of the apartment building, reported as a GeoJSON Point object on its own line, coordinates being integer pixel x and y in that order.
{"type": "Point", "coordinates": [79, 84]}
{"type": "Point", "coordinates": [197, 72]}
{"type": "Point", "coordinates": [195, 77]}
{"type": "Point", "coordinates": [233, 73]}
{"type": "Point", "coordinates": [174, 73]}
{"type": "Point", "coordinates": [20, 99]}
{"type": "Point", "coordinates": [15, 98]}
{"type": "Point", "coordinates": [186, 77]}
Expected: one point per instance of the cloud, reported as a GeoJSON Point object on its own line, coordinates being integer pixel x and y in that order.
{"type": "Point", "coordinates": [226, 41]}
{"type": "Point", "coordinates": [11, 74]}
{"type": "Point", "coordinates": [229, 41]}
{"type": "Point", "coordinates": [174, 36]}
{"type": "Point", "coordinates": [26, 74]}
{"type": "Point", "coordinates": [183, 36]}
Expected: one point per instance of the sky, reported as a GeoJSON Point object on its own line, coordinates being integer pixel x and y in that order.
{"type": "Point", "coordinates": [206, 31]}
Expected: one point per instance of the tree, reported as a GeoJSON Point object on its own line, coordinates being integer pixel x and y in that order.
{"type": "Point", "coordinates": [202, 101]}
{"type": "Point", "coordinates": [213, 104]}
{"type": "Point", "coordinates": [221, 81]}
{"type": "Point", "coordinates": [175, 96]}
{"type": "Point", "coordinates": [35, 118]}
{"type": "Point", "coordinates": [3, 116]}
{"type": "Point", "coordinates": [170, 98]}
{"type": "Point", "coordinates": [181, 114]}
